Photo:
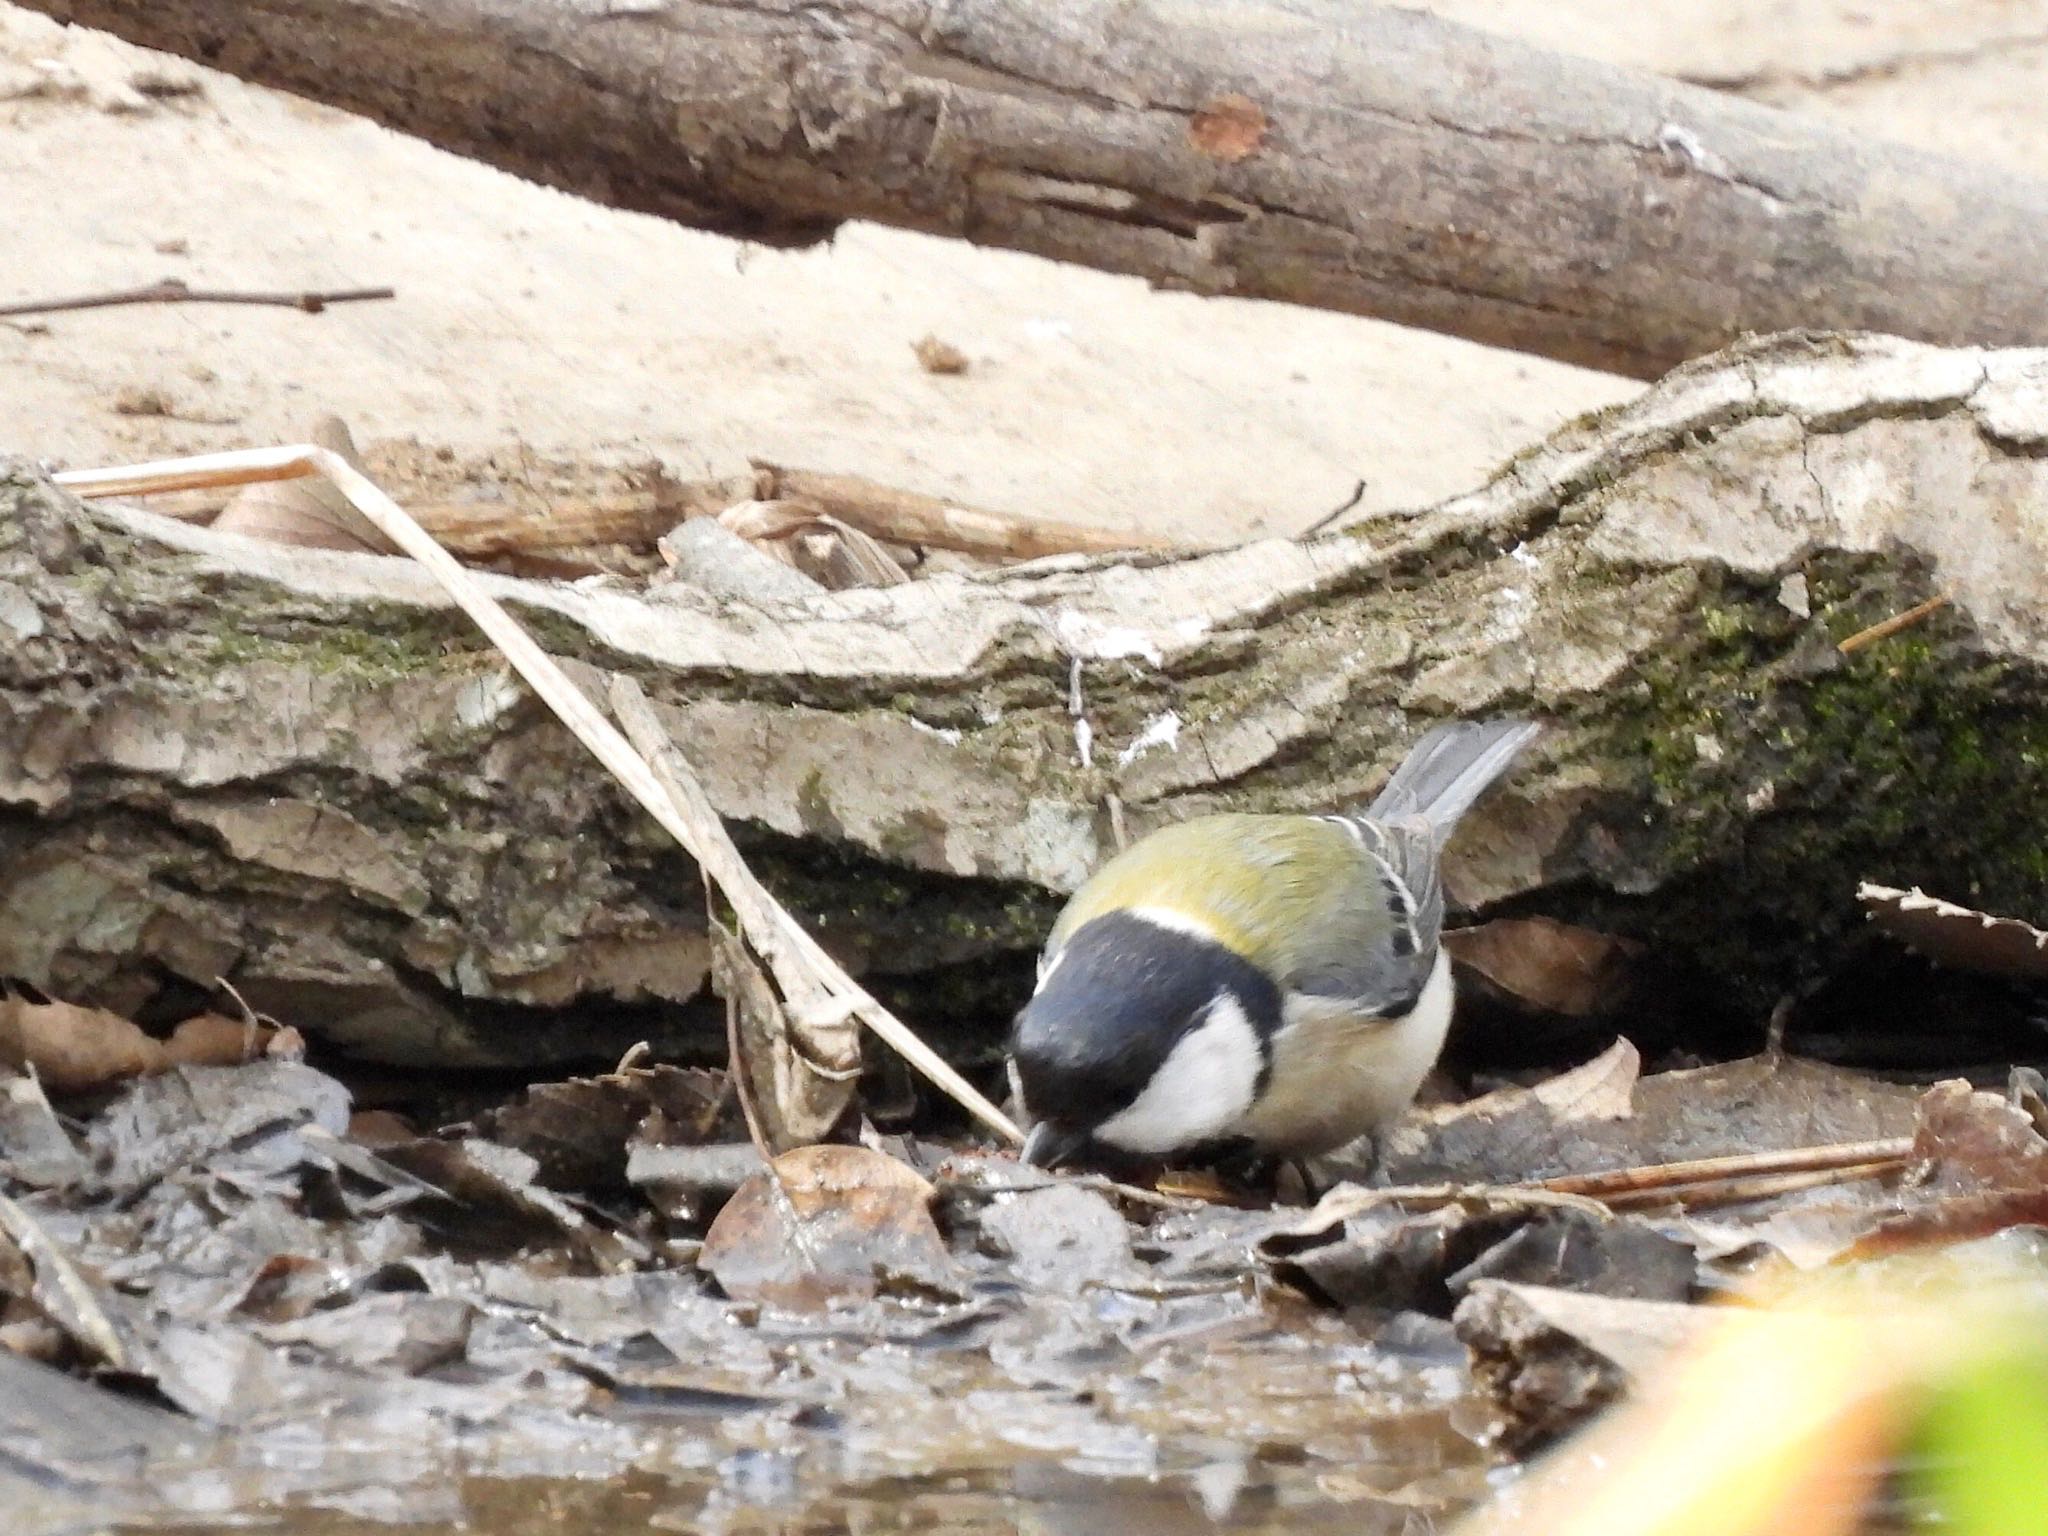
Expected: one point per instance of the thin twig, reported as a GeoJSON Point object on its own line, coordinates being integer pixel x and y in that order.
{"type": "Point", "coordinates": [1891, 626]}
{"type": "Point", "coordinates": [252, 1021]}
{"type": "Point", "coordinates": [1762, 1186]}
{"type": "Point", "coordinates": [583, 719]}
{"type": "Point", "coordinates": [175, 291]}
{"type": "Point", "coordinates": [1348, 1200]}
{"type": "Point", "coordinates": [1699, 1181]}
{"type": "Point", "coordinates": [1136, 1194]}
{"type": "Point", "coordinates": [1357, 495]}
{"type": "Point", "coordinates": [1622, 1183]}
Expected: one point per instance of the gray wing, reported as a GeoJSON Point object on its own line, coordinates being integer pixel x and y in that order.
{"type": "Point", "coordinates": [1376, 943]}
{"type": "Point", "coordinates": [1404, 831]}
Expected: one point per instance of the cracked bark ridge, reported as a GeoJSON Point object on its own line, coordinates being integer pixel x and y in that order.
{"type": "Point", "coordinates": [301, 770]}
{"type": "Point", "coordinates": [1383, 162]}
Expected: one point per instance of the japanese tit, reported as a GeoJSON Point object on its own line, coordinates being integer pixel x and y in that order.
{"type": "Point", "coordinates": [1271, 980]}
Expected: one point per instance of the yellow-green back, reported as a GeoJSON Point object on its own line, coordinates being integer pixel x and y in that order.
{"type": "Point", "coordinates": [1273, 888]}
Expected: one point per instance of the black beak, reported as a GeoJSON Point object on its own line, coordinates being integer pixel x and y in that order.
{"type": "Point", "coordinates": [1049, 1145]}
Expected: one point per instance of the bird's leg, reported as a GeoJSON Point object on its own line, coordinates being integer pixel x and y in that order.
{"type": "Point", "coordinates": [1311, 1190]}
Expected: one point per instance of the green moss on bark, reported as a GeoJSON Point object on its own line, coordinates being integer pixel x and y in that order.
{"type": "Point", "coordinates": [1782, 772]}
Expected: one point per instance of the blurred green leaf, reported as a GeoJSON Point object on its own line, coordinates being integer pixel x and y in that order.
{"type": "Point", "coordinates": [1984, 1444]}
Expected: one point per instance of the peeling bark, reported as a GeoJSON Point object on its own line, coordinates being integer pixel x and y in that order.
{"type": "Point", "coordinates": [301, 769]}
{"type": "Point", "coordinates": [1325, 152]}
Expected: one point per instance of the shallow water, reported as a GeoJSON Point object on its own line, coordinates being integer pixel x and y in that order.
{"type": "Point", "coordinates": [1290, 1425]}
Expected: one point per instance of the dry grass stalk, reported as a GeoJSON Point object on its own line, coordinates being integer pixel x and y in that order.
{"type": "Point", "coordinates": [1884, 628]}
{"type": "Point", "coordinates": [1621, 1183]}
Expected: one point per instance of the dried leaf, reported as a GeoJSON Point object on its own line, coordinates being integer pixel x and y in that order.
{"type": "Point", "coordinates": [1762, 1103]}
{"type": "Point", "coordinates": [74, 1049]}
{"type": "Point", "coordinates": [579, 1131]}
{"type": "Point", "coordinates": [1957, 937]}
{"type": "Point", "coordinates": [1548, 966]}
{"type": "Point", "coordinates": [826, 1222]}
{"type": "Point", "coordinates": [766, 522]}
{"type": "Point", "coordinates": [706, 556]}
{"type": "Point", "coordinates": [405, 1332]}
{"type": "Point", "coordinates": [35, 1149]}
{"type": "Point", "coordinates": [1969, 1141]}
{"type": "Point", "coordinates": [64, 1293]}
{"type": "Point", "coordinates": [214, 1040]}
{"type": "Point", "coordinates": [310, 511]}
{"type": "Point", "coordinates": [72, 1433]}
{"type": "Point", "coordinates": [833, 553]}
{"type": "Point", "coordinates": [1513, 1133]}
{"type": "Point", "coordinates": [1421, 1249]}
{"type": "Point", "coordinates": [685, 1183]}
{"type": "Point", "coordinates": [489, 1178]}
{"type": "Point", "coordinates": [246, 1119]}
{"type": "Point", "coordinates": [1228, 128]}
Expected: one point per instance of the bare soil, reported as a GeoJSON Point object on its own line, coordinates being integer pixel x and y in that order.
{"type": "Point", "coordinates": [533, 327]}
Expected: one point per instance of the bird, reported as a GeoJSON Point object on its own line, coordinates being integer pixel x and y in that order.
{"type": "Point", "coordinates": [1273, 983]}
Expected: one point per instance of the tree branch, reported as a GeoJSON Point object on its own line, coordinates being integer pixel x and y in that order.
{"type": "Point", "coordinates": [1336, 153]}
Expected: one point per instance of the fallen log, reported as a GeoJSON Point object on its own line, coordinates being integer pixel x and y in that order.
{"type": "Point", "coordinates": [1327, 152]}
{"type": "Point", "coordinates": [302, 770]}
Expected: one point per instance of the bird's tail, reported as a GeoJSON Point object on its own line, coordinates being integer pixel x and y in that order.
{"type": "Point", "coordinates": [1450, 768]}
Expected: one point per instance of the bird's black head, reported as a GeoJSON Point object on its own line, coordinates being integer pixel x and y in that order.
{"type": "Point", "coordinates": [1144, 1033]}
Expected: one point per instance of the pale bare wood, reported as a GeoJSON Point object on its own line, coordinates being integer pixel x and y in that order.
{"type": "Point", "coordinates": [909, 517]}
{"type": "Point", "coordinates": [480, 530]}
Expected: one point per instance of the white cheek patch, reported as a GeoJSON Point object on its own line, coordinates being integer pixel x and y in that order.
{"type": "Point", "coordinates": [1202, 1088]}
